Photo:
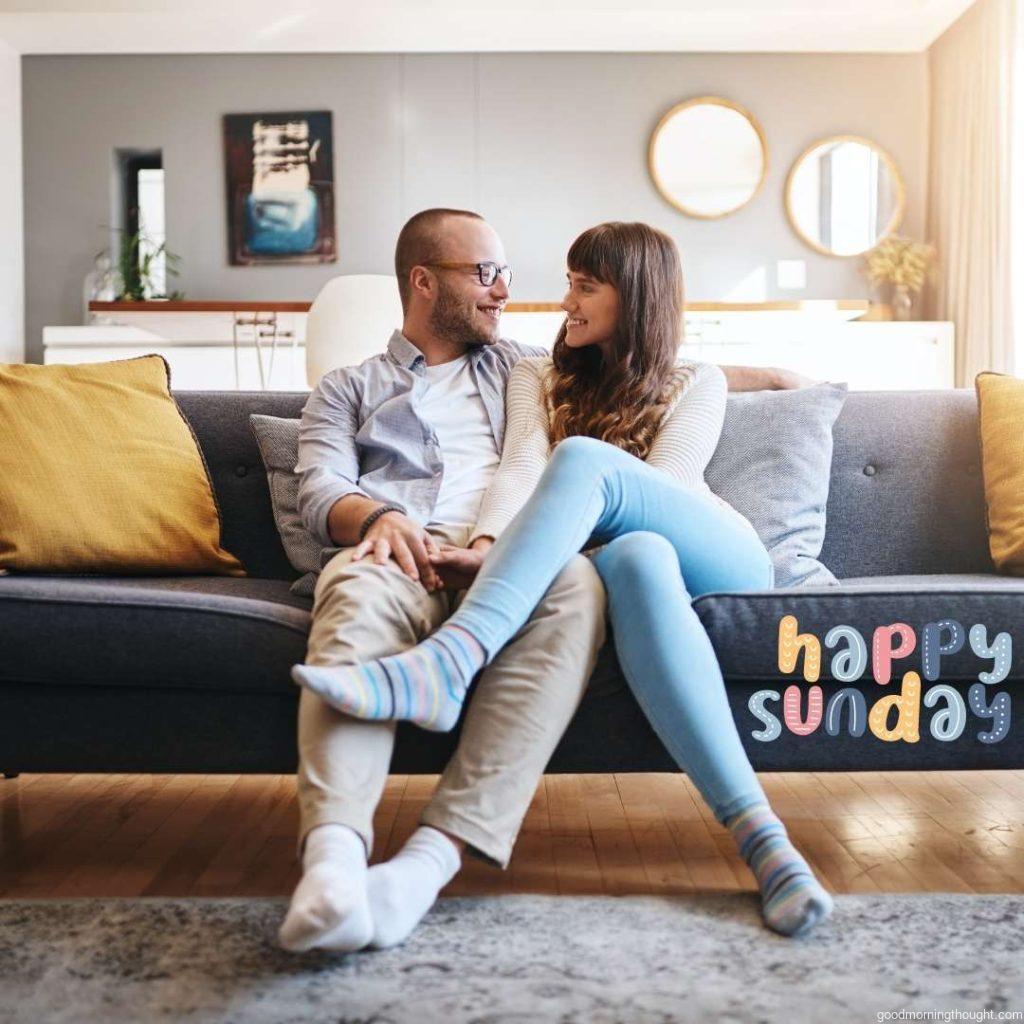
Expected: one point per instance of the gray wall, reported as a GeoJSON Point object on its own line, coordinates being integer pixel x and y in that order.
{"type": "Point", "coordinates": [544, 145]}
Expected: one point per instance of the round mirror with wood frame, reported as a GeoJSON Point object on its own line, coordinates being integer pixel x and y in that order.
{"type": "Point", "coordinates": [843, 195]}
{"type": "Point", "coordinates": [708, 157]}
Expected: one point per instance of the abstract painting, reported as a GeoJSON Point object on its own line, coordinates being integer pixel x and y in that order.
{"type": "Point", "coordinates": [280, 182]}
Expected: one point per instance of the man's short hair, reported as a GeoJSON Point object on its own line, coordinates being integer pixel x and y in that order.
{"type": "Point", "coordinates": [420, 242]}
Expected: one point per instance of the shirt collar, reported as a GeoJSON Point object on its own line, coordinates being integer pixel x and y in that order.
{"type": "Point", "coordinates": [403, 351]}
{"type": "Point", "coordinates": [406, 354]}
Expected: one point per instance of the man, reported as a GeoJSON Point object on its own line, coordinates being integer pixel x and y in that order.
{"type": "Point", "coordinates": [394, 458]}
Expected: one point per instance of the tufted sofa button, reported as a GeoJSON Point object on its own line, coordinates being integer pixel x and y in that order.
{"type": "Point", "coordinates": [870, 470]}
{"type": "Point", "coordinates": [241, 470]}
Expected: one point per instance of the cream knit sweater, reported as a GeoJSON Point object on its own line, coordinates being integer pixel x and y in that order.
{"type": "Point", "coordinates": [683, 446]}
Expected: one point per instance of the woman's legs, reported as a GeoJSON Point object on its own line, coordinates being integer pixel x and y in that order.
{"type": "Point", "coordinates": [673, 671]}
{"type": "Point", "coordinates": [589, 489]}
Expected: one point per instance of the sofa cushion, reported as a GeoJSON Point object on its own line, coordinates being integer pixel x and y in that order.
{"type": "Point", "coordinates": [100, 472]}
{"type": "Point", "coordinates": [279, 447]}
{"type": "Point", "coordinates": [772, 464]}
{"type": "Point", "coordinates": [197, 632]}
{"type": "Point", "coordinates": [1001, 428]}
{"type": "Point", "coordinates": [744, 628]}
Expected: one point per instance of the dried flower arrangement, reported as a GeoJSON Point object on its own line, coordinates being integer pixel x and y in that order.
{"type": "Point", "coordinates": [900, 261]}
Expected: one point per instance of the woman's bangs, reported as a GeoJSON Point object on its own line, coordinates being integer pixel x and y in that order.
{"type": "Point", "coordinates": [593, 253]}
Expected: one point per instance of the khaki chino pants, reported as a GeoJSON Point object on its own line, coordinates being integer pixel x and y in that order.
{"type": "Point", "coordinates": [518, 711]}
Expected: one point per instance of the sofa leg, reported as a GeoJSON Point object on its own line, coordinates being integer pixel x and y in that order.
{"type": "Point", "coordinates": [11, 775]}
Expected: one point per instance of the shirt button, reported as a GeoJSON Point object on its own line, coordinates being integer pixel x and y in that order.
{"type": "Point", "coordinates": [241, 470]}
{"type": "Point", "coordinates": [870, 470]}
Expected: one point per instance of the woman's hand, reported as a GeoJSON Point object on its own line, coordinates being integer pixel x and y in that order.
{"type": "Point", "coordinates": [397, 536]}
{"type": "Point", "coordinates": [457, 567]}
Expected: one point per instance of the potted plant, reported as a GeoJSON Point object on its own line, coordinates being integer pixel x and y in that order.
{"type": "Point", "coordinates": [136, 263]}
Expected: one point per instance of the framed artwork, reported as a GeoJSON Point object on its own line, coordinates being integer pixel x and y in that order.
{"type": "Point", "coordinates": [280, 187]}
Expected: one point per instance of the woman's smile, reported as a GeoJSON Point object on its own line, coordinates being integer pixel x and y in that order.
{"type": "Point", "coordinates": [592, 310]}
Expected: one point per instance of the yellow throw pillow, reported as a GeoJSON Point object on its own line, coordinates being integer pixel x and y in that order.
{"type": "Point", "coordinates": [100, 473]}
{"type": "Point", "coordinates": [1001, 423]}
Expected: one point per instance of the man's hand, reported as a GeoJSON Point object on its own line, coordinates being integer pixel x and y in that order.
{"type": "Point", "coordinates": [457, 566]}
{"type": "Point", "coordinates": [396, 536]}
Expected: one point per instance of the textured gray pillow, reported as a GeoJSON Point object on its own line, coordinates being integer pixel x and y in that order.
{"type": "Point", "coordinates": [278, 440]}
{"type": "Point", "coordinates": [773, 464]}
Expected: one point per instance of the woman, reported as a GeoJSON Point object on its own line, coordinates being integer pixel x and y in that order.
{"type": "Point", "coordinates": [612, 437]}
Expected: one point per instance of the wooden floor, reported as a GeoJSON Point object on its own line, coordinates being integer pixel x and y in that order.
{"type": "Point", "coordinates": [217, 835]}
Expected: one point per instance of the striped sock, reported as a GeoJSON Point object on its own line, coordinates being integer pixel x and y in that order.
{"type": "Point", "coordinates": [792, 899]}
{"type": "Point", "coordinates": [426, 684]}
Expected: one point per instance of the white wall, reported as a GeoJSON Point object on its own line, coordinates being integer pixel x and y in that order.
{"type": "Point", "coordinates": [12, 249]}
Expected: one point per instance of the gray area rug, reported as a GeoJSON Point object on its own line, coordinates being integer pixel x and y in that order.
{"type": "Point", "coordinates": [505, 960]}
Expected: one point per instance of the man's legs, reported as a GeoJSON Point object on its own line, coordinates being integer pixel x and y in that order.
{"type": "Point", "coordinates": [360, 610]}
{"type": "Point", "coordinates": [522, 704]}
{"type": "Point", "coordinates": [520, 708]}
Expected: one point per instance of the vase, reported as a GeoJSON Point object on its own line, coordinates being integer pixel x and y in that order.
{"type": "Point", "coordinates": [902, 302]}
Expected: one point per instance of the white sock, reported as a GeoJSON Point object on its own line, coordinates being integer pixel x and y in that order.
{"type": "Point", "coordinates": [404, 888]}
{"type": "Point", "coordinates": [329, 909]}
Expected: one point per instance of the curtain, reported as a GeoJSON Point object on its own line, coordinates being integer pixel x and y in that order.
{"type": "Point", "coordinates": [971, 170]}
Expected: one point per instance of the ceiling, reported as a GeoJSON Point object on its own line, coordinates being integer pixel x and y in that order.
{"type": "Point", "coordinates": [448, 26]}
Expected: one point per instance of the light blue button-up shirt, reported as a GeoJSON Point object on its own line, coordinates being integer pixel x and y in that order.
{"type": "Point", "coordinates": [361, 431]}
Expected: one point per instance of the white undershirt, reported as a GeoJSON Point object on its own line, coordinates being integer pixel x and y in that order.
{"type": "Point", "coordinates": [452, 405]}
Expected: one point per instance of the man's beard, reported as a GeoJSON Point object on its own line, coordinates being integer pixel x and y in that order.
{"type": "Point", "coordinates": [452, 318]}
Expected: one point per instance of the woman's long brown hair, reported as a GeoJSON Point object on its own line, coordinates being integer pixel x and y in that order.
{"type": "Point", "coordinates": [623, 398]}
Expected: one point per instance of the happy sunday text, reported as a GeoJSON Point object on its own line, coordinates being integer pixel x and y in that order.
{"type": "Point", "coordinates": [889, 644]}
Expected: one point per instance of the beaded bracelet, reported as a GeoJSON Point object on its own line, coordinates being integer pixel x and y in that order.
{"type": "Point", "coordinates": [375, 515]}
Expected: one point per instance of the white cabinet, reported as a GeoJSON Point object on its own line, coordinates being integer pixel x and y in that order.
{"type": "Point", "coordinates": [207, 351]}
{"type": "Point", "coordinates": [252, 350]}
{"type": "Point", "coordinates": [867, 355]}
{"type": "Point", "coordinates": [533, 328]}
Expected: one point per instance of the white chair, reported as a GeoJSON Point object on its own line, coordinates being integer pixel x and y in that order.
{"type": "Point", "coordinates": [350, 320]}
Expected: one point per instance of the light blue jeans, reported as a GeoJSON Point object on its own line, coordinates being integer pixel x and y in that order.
{"type": "Point", "coordinates": [663, 546]}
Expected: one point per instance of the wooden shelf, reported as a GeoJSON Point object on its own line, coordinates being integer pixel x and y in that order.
{"type": "Point", "coordinates": [271, 306]}
{"type": "Point", "coordinates": [188, 306]}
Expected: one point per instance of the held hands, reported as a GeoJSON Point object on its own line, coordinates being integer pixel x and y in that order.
{"type": "Point", "coordinates": [444, 567]}
{"type": "Point", "coordinates": [397, 536]}
{"type": "Point", "coordinates": [458, 566]}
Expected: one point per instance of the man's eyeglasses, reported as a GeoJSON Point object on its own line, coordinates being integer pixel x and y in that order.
{"type": "Point", "coordinates": [487, 272]}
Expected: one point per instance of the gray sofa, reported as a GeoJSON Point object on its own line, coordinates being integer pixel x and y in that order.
{"type": "Point", "coordinates": [191, 674]}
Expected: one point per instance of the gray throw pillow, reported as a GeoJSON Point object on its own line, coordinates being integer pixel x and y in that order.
{"type": "Point", "coordinates": [278, 440]}
{"type": "Point", "coordinates": [773, 464]}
